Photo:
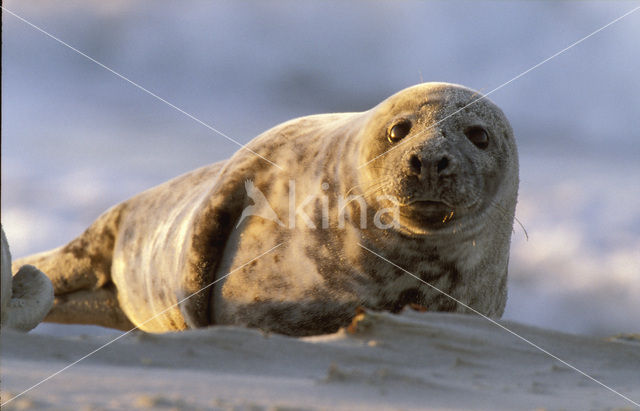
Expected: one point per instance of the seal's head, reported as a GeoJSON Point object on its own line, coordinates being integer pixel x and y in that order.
{"type": "Point", "coordinates": [441, 153]}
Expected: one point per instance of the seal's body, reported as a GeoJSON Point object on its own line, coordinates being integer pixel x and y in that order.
{"type": "Point", "coordinates": [427, 179]}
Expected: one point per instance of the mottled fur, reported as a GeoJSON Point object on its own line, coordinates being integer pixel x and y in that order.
{"type": "Point", "coordinates": [152, 251]}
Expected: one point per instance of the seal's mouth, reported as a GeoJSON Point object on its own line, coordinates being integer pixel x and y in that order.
{"type": "Point", "coordinates": [429, 213]}
{"type": "Point", "coordinates": [427, 204]}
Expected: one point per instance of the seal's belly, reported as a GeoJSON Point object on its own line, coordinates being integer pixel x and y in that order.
{"type": "Point", "coordinates": [303, 282]}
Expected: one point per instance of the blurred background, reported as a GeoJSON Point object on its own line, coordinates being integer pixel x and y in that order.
{"type": "Point", "coordinates": [76, 139]}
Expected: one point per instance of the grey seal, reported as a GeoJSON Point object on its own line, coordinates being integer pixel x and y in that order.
{"type": "Point", "coordinates": [428, 179]}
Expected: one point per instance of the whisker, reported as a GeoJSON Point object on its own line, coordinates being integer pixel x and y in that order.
{"type": "Point", "coordinates": [504, 211]}
{"type": "Point", "coordinates": [526, 235]}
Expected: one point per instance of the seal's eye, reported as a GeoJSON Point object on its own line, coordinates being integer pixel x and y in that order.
{"type": "Point", "coordinates": [399, 131]}
{"type": "Point", "coordinates": [478, 136]}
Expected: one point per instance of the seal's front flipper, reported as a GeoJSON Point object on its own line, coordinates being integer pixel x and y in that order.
{"type": "Point", "coordinates": [170, 242]}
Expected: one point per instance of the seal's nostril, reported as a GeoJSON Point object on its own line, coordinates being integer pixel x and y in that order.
{"type": "Point", "coordinates": [442, 164]}
{"type": "Point", "coordinates": [415, 164]}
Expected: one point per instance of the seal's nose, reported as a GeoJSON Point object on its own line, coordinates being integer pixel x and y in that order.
{"type": "Point", "coordinates": [415, 165]}
{"type": "Point", "coordinates": [420, 165]}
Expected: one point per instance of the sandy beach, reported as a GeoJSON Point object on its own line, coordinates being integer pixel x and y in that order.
{"type": "Point", "coordinates": [410, 361]}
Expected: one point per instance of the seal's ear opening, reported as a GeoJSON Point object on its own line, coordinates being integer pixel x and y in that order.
{"type": "Point", "coordinates": [399, 130]}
